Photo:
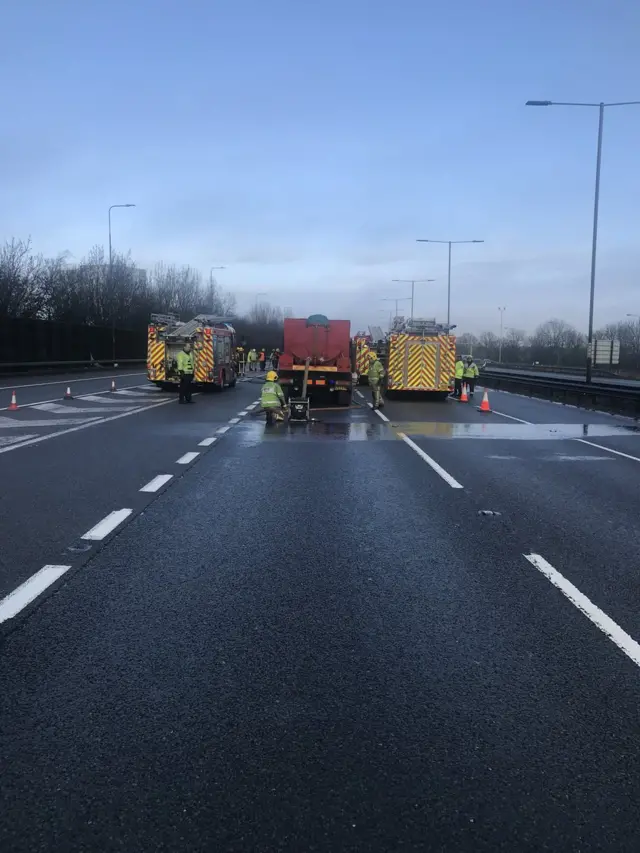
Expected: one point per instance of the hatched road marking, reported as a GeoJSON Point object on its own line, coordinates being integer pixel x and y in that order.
{"type": "Point", "coordinates": [25, 441]}
{"type": "Point", "coordinates": [65, 380]}
{"type": "Point", "coordinates": [58, 409]}
{"type": "Point", "coordinates": [107, 403]}
{"type": "Point", "coordinates": [14, 423]}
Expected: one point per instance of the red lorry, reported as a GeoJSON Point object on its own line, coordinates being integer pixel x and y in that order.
{"type": "Point", "coordinates": [326, 344]}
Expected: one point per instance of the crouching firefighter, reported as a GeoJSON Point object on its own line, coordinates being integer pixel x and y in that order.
{"type": "Point", "coordinates": [272, 399]}
{"type": "Point", "coordinates": [376, 377]}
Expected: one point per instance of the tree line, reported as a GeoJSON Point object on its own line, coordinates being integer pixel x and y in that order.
{"type": "Point", "coordinates": [94, 292]}
{"type": "Point", "coordinates": [554, 342]}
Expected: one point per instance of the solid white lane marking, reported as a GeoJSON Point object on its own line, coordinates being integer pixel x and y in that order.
{"type": "Point", "coordinates": [107, 525]}
{"type": "Point", "coordinates": [378, 413]}
{"type": "Point", "coordinates": [207, 442]}
{"type": "Point", "coordinates": [69, 408]}
{"type": "Point", "coordinates": [92, 422]}
{"type": "Point", "coordinates": [68, 380]}
{"type": "Point", "coordinates": [14, 423]}
{"type": "Point", "coordinates": [17, 600]}
{"type": "Point", "coordinates": [188, 457]}
{"type": "Point", "coordinates": [615, 633]}
{"type": "Point", "coordinates": [5, 440]}
{"type": "Point", "coordinates": [157, 483]}
{"type": "Point", "coordinates": [223, 429]}
{"type": "Point", "coordinates": [234, 420]}
{"type": "Point", "coordinates": [511, 417]}
{"type": "Point", "coordinates": [437, 468]}
{"type": "Point", "coordinates": [608, 449]}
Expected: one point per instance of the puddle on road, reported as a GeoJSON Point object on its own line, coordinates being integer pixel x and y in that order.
{"type": "Point", "coordinates": [502, 432]}
{"type": "Point", "coordinates": [253, 433]}
{"type": "Point", "coordinates": [356, 429]}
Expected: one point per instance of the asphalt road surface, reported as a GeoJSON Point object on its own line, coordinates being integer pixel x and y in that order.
{"type": "Point", "coordinates": [568, 377]}
{"type": "Point", "coordinates": [413, 630]}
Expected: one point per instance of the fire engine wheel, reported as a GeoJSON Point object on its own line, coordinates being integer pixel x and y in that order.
{"type": "Point", "coordinates": [343, 398]}
{"type": "Point", "coordinates": [233, 382]}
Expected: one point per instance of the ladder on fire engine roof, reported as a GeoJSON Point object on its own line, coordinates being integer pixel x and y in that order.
{"type": "Point", "coordinates": [188, 329]}
{"type": "Point", "coordinates": [420, 326]}
{"type": "Point", "coordinates": [376, 333]}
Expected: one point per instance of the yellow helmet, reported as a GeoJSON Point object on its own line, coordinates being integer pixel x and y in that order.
{"type": "Point", "coordinates": [271, 376]}
{"type": "Point", "coordinates": [372, 354]}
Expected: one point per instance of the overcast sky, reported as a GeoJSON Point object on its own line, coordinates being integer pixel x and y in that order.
{"type": "Point", "coordinates": [306, 144]}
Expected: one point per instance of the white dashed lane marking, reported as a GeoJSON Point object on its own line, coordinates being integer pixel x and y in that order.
{"type": "Point", "coordinates": [431, 462]}
{"type": "Point", "coordinates": [107, 525]}
{"type": "Point", "coordinates": [599, 618]}
{"type": "Point", "coordinates": [207, 442]}
{"type": "Point", "coordinates": [157, 483]}
{"type": "Point", "coordinates": [17, 600]}
{"type": "Point", "coordinates": [188, 457]}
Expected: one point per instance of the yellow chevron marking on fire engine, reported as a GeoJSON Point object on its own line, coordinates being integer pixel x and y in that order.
{"type": "Point", "coordinates": [204, 362]}
{"type": "Point", "coordinates": [155, 357]}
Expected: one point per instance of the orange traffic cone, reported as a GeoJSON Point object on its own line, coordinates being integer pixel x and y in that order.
{"type": "Point", "coordinates": [113, 384]}
{"type": "Point", "coordinates": [14, 402]}
{"type": "Point", "coordinates": [484, 406]}
{"type": "Point", "coordinates": [464, 397]}
{"type": "Point", "coordinates": [67, 394]}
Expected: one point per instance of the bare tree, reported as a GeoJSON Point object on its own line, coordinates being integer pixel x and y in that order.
{"type": "Point", "coordinates": [467, 341]}
{"type": "Point", "coordinates": [21, 293]}
{"type": "Point", "coordinates": [265, 314]}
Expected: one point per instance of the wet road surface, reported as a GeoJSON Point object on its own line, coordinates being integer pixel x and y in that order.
{"type": "Point", "coordinates": [358, 634]}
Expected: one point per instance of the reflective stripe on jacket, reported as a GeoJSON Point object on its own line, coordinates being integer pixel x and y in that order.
{"type": "Point", "coordinates": [471, 371]}
{"type": "Point", "coordinates": [272, 396]}
{"type": "Point", "coordinates": [376, 370]}
{"type": "Point", "coordinates": [185, 362]}
{"type": "Point", "coordinates": [459, 369]}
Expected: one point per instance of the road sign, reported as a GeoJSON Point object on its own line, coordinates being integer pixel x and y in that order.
{"type": "Point", "coordinates": [607, 351]}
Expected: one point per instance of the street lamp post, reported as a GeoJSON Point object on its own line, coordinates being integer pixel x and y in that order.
{"type": "Point", "coordinates": [596, 202]}
{"type": "Point", "coordinates": [412, 282]}
{"type": "Point", "coordinates": [113, 313]}
{"type": "Point", "coordinates": [211, 283]}
{"type": "Point", "coordinates": [501, 310]}
{"type": "Point", "coordinates": [393, 299]}
{"type": "Point", "coordinates": [449, 243]}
